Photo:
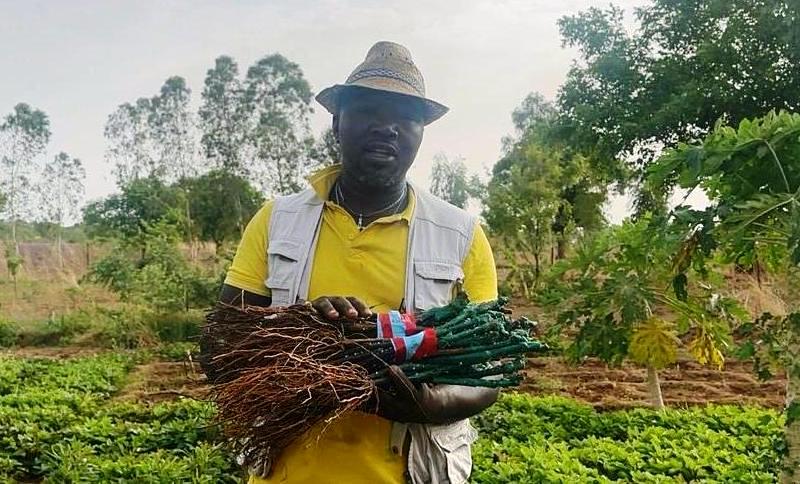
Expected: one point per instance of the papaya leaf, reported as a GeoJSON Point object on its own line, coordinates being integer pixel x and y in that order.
{"type": "Point", "coordinates": [704, 348]}
{"type": "Point", "coordinates": [654, 343]}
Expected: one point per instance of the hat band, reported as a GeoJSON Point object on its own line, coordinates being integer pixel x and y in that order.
{"type": "Point", "coordinates": [382, 72]}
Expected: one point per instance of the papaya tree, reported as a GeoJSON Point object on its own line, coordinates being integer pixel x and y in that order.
{"type": "Point", "coordinates": [751, 174]}
{"type": "Point", "coordinates": [613, 300]}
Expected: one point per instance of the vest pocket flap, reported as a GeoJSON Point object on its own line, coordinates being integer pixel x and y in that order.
{"type": "Point", "coordinates": [451, 437]}
{"type": "Point", "coordinates": [438, 271]}
{"type": "Point", "coordinates": [282, 257]}
{"type": "Point", "coordinates": [288, 249]}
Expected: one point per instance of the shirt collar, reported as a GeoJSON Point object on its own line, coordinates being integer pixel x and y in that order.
{"type": "Point", "coordinates": [322, 182]}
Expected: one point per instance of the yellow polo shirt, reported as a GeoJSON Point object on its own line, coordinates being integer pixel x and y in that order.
{"type": "Point", "coordinates": [368, 264]}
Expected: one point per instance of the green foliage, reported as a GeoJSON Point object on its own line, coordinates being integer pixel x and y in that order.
{"type": "Point", "coordinates": [58, 330]}
{"type": "Point", "coordinates": [609, 289]}
{"type": "Point", "coordinates": [522, 202]}
{"type": "Point", "coordinates": [162, 278]}
{"type": "Point", "coordinates": [24, 134]}
{"type": "Point", "coordinates": [773, 342]}
{"type": "Point", "coordinates": [221, 204]}
{"type": "Point", "coordinates": [277, 100]}
{"type": "Point", "coordinates": [222, 117]}
{"type": "Point", "coordinates": [13, 261]}
{"type": "Point", "coordinates": [56, 423]}
{"type": "Point", "coordinates": [542, 192]}
{"type": "Point", "coordinates": [37, 231]}
{"type": "Point", "coordinates": [607, 299]}
{"type": "Point", "coordinates": [553, 439]}
{"type": "Point", "coordinates": [8, 333]}
{"type": "Point", "coordinates": [63, 191]}
{"type": "Point", "coordinates": [124, 327]}
{"type": "Point", "coordinates": [684, 65]}
{"type": "Point", "coordinates": [178, 351]}
{"type": "Point", "coordinates": [450, 182]}
{"type": "Point", "coordinates": [152, 137]}
{"type": "Point", "coordinates": [752, 176]}
{"type": "Point", "coordinates": [143, 202]}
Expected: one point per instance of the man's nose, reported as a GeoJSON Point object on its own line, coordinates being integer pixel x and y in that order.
{"type": "Point", "coordinates": [385, 130]}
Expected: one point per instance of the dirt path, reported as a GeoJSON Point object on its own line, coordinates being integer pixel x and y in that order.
{"type": "Point", "coordinates": [687, 383]}
{"type": "Point", "coordinates": [164, 380]}
{"type": "Point", "coordinates": [53, 352]}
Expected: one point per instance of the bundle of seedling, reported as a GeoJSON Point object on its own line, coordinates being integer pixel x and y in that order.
{"type": "Point", "coordinates": [281, 371]}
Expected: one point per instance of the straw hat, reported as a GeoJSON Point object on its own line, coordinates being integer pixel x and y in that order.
{"type": "Point", "coordinates": [388, 67]}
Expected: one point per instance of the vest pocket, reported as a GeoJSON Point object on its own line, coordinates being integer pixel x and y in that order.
{"type": "Point", "coordinates": [454, 442]}
{"type": "Point", "coordinates": [283, 267]}
{"type": "Point", "coordinates": [434, 283]}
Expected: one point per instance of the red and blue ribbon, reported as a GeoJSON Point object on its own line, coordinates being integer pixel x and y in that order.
{"type": "Point", "coordinates": [410, 342]}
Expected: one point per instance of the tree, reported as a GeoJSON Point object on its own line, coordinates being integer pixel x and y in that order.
{"type": "Point", "coordinates": [751, 175]}
{"type": "Point", "coordinates": [172, 129]}
{"type": "Point", "coordinates": [24, 135]}
{"type": "Point", "coordinates": [130, 142]}
{"type": "Point", "coordinates": [534, 113]}
{"type": "Point", "coordinates": [278, 103]}
{"type": "Point", "coordinates": [520, 206]}
{"type": "Point", "coordinates": [449, 180]}
{"type": "Point", "coordinates": [126, 215]}
{"type": "Point", "coordinates": [62, 194]}
{"type": "Point", "coordinates": [222, 116]}
{"type": "Point", "coordinates": [218, 217]}
{"type": "Point", "coordinates": [608, 299]}
{"type": "Point", "coordinates": [582, 189]}
{"type": "Point", "coordinates": [154, 137]}
{"type": "Point", "coordinates": [686, 64]}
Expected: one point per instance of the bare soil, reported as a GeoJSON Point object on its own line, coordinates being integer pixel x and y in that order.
{"type": "Point", "coordinates": [606, 388]}
{"type": "Point", "coordinates": [685, 384]}
{"type": "Point", "coordinates": [53, 352]}
{"type": "Point", "coordinates": [164, 380]}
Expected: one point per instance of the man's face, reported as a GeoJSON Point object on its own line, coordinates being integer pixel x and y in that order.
{"type": "Point", "coordinates": [379, 134]}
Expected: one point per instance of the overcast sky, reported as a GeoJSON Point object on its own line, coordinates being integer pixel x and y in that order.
{"type": "Point", "coordinates": [78, 60]}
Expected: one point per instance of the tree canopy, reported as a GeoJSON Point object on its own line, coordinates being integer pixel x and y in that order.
{"type": "Point", "coordinates": [685, 65]}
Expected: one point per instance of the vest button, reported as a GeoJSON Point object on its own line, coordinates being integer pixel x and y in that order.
{"type": "Point", "coordinates": [395, 450]}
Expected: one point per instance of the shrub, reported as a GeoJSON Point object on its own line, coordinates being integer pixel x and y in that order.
{"type": "Point", "coordinates": [554, 439]}
{"type": "Point", "coordinates": [8, 335]}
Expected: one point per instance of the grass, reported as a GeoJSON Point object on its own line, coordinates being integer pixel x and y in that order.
{"type": "Point", "coordinates": [40, 299]}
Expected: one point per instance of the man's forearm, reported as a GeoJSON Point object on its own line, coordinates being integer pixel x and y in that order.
{"type": "Point", "coordinates": [234, 296]}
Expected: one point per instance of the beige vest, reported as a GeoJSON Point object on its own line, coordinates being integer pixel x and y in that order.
{"type": "Point", "coordinates": [439, 239]}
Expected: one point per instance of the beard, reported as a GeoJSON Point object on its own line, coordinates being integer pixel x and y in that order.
{"type": "Point", "coordinates": [372, 180]}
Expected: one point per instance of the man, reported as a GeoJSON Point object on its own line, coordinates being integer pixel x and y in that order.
{"type": "Point", "coordinates": [363, 239]}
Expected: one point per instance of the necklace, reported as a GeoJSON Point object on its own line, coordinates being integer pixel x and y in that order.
{"type": "Point", "coordinates": [393, 207]}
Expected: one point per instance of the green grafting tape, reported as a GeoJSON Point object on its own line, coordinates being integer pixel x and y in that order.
{"type": "Point", "coordinates": [511, 381]}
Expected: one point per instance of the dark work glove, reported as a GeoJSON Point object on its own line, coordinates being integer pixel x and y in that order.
{"type": "Point", "coordinates": [430, 404]}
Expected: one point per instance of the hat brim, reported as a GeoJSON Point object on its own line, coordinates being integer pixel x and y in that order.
{"type": "Point", "coordinates": [329, 98]}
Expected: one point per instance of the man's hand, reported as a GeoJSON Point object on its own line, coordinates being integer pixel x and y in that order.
{"type": "Point", "coordinates": [334, 307]}
{"type": "Point", "coordinates": [431, 404]}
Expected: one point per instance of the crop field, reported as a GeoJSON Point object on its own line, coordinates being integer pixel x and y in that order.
{"type": "Point", "coordinates": [76, 415]}
{"type": "Point", "coordinates": [59, 421]}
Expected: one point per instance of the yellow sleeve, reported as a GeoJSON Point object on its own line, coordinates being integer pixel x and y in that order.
{"type": "Point", "coordinates": [248, 270]}
{"type": "Point", "coordinates": [480, 274]}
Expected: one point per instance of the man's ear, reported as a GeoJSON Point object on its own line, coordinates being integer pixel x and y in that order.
{"type": "Point", "coordinates": [335, 127]}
